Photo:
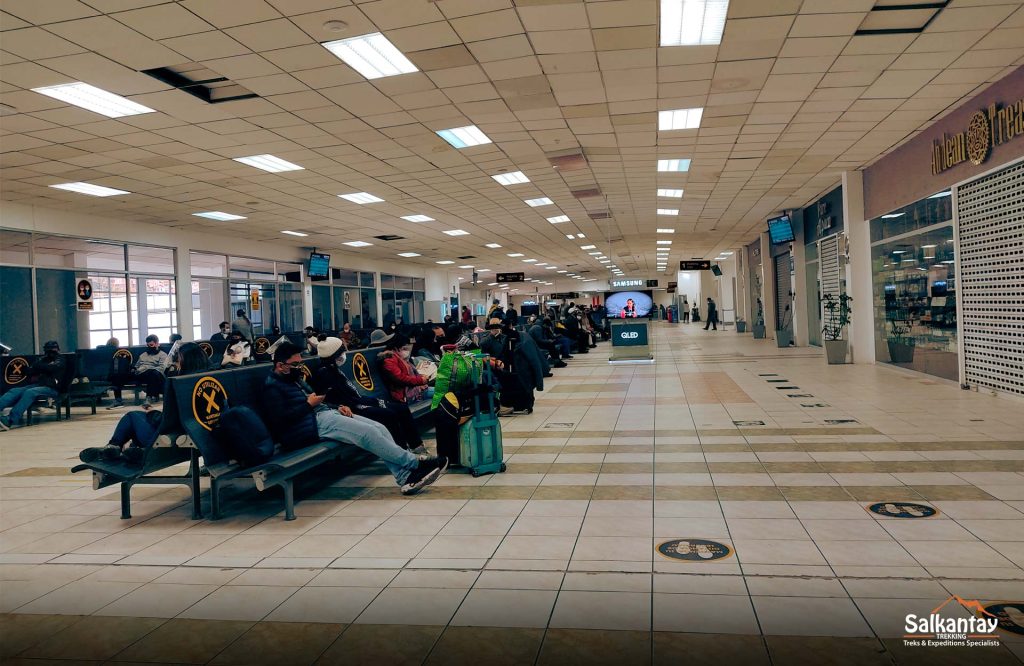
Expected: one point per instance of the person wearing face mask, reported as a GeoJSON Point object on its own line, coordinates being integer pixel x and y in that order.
{"type": "Point", "coordinates": [43, 377]}
{"type": "Point", "coordinates": [348, 336]}
{"type": "Point", "coordinates": [404, 384]}
{"type": "Point", "coordinates": [223, 334]}
{"type": "Point", "coordinates": [297, 416]}
{"type": "Point", "coordinates": [339, 391]}
{"type": "Point", "coordinates": [147, 371]}
{"type": "Point", "coordinates": [137, 430]}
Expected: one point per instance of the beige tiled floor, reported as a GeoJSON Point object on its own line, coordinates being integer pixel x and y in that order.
{"type": "Point", "coordinates": [555, 561]}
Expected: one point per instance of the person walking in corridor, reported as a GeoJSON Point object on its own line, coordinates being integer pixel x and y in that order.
{"type": "Point", "coordinates": [712, 315]}
{"type": "Point", "coordinates": [685, 311]}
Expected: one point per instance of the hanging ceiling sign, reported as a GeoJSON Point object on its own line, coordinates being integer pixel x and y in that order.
{"type": "Point", "coordinates": [510, 277]}
{"type": "Point", "coordinates": [628, 282]}
{"type": "Point", "coordinates": [696, 265]}
{"type": "Point", "coordinates": [987, 129]}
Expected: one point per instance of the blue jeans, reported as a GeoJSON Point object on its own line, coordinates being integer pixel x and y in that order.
{"type": "Point", "coordinates": [135, 427]}
{"type": "Point", "coordinates": [21, 398]}
{"type": "Point", "coordinates": [369, 436]}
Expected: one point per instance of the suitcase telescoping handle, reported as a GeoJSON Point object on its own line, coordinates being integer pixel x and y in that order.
{"type": "Point", "coordinates": [484, 376]}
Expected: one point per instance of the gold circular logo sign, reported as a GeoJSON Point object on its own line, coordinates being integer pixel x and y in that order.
{"type": "Point", "coordinates": [125, 354]}
{"type": "Point", "coordinates": [16, 371]}
{"type": "Point", "coordinates": [262, 344]}
{"type": "Point", "coordinates": [207, 349]}
{"type": "Point", "coordinates": [307, 374]}
{"type": "Point", "coordinates": [361, 372]}
{"type": "Point", "coordinates": [979, 138]}
{"type": "Point", "coordinates": [208, 401]}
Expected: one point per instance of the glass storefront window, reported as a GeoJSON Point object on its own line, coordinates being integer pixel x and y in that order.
{"type": "Point", "coordinates": [14, 247]}
{"type": "Point", "coordinates": [289, 307]}
{"type": "Point", "coordinates": [209, 306]}
{"type": "Point", "coordinates": [64, 252]}
{"type": "Point", "coordinates": [345, 278]}
{"type": "Point", "coordinates": [367, 280]}
{"type": "Point", "coordinates": [154, 260]}
{"type": "Point", "coordinates": [109, 317]}
{"type": "Point", "coordinates": [208, 265]}
{"type": "Point", "coordinates": [322, 319]}
{"type": "Point", "coordinates": [915, 291]}
{"type": "Point", "coordinates": [55, 300]}
{"type": "Point", "coordinates": [16, 313]}
{"type": "Point", "coordinates": [153, 309]}
{"type": "Point", "coordinates": [367, 309]}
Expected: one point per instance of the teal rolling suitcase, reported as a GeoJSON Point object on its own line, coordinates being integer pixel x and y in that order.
{"type": "Point", "coordinates": [480, 437]}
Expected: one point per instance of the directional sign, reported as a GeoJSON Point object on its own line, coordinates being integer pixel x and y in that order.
{"type": "Point", "coordinates": [511, 277]}
{"type": "Point", "coordinates": [697, 265]}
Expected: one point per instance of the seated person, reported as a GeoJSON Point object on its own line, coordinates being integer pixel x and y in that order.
{"type": "Point", "coordinates": [312, 339]}
{"type": "Point", "coordinates": [297, 417]}
{"type": "Point", "coordinates": [224, 333]}
{"type": "Point", "coordinates": [545, 344]}
{"type": "Point", "coordinates": [404, 383]}
{"type": "Point", "coordinates": [137, 430]}
{"type": "Point", "coordinates": [147, 371]}
{"type": "Point", "coordinates": [43, 377]}
{"type": "Point", "coordinates": [428, 344]}
{"type": "Point", "coordinates": [338, 390]}
{"type": "Point", "coordinates": [349, 337]}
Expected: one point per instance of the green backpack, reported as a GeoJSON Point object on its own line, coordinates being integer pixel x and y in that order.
{"type": "Point", "coordinates": [455, 372]}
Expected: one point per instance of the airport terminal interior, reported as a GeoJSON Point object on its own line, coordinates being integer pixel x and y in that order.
{"type": "Point", "coordinates": [512, 332]}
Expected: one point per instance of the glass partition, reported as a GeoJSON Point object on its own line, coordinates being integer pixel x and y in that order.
{"type": "Point", "coordinates": [16, 314]}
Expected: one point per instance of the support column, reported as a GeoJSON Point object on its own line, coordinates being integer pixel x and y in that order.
{"type": "Point", "coordinates": [801, 327]}
{"type": "Point", "coordinates": [858, 282]}
{"type": "Point", "coordinates": [182, 292]}
{"type": "Point", "coordinates": [768, 285]}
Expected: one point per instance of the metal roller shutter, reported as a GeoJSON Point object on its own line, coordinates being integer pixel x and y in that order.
{"type": "Point", "coordinates": [828, 257]}
{"type": "Point", "coordinates": [991, 275]}
{"type": "Point", "coordinates": [783, 285]}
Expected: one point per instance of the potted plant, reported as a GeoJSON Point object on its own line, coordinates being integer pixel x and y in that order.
{"type": "Point", "coordinates": [758, 328]}
{"type": "Point", "coordinates": [837, 318]}
{"type": "Point", "coordinates": [901, 346]}
{"type": "Point", "coordinates": [783, 334]}
{"type": "Point", "coordinates": [741, 325]}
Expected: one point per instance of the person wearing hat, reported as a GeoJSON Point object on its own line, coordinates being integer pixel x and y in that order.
{"type": "Point", "coordinates": [492, 342]}
{"type": "Point", "coordinates": [339, 390]}
{"type": "Point", "coordinates": [43, 378]}
{"type": "Point", "coordinates": [378, 337]}
{"type": "Point", "coordinates": [297, 417]}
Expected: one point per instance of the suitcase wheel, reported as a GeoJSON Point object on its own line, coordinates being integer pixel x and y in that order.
{"type": "Point", "coordinates": [503, 467]}
{"type": "Point", "coordinates": [475, 473]}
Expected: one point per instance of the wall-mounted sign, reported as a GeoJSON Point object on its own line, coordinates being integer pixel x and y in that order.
{"type": "Point", "coordinates": [510, 277]}
{"type": "Point", "coordinates": [652, 283]}
{"type": "Point", "coordinates": [84, 293]}
{"type": "Point", "coordinates": [695, 265]}
{"type": "Point", "coordinates": [627, 282]}
{"type": "Point", "coordinates": [673, 285]}
{"type": "Point", "coordinates": [254, 299]}
{"type": "Point", "coordinates": [826, 220]}
{"type": "Point", "coordinates": [987, 129]}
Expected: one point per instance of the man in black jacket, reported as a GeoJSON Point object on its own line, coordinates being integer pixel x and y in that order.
{"type": "Point", "coordinates": [539, 336]}
{"type": "Point", "coordinates": [41, 382]}
{"type": "Point", "coordinates": [331, 382]}
{"type": "Point", "coordinates": [297, 417]}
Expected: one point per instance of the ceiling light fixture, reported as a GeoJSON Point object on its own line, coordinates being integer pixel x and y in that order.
{"type": "Point", "coordinates": [493, 246]}
{"type": "Point", "coordinates": [529, 261]}
{"type": "Point", "coordinates": [445, 262]}
{"type": "Point", "coordinates": [269, 163]}
{"type": "Point", "coordinates": [417, 218]}
{"type": "Point", "coordinates": [371, 55]}
{"type": "Point", "coordinates": [671, 194]}
{"type": "Point", "coordinates": [464, 137]}
{"type": "Point", "coordinates": [666, 231]}
{"type": "Point", "coordinates": [668, 211]}
{"type": "Point", "coordinates": [588, 247]}
{"type": "Point", "coordinates": [558, 219]}
{"type": "Point", "coordinates": [679, 165]}
{"type": "Point", "coordinates": [692, 22]}
{"type": "Point", "coordinates": [360, 198]}
{"type": "Point", "coordinates": [664, 242]}
{"type": "Point", "coordinates": [678, 119]}
{"type": "Point", "coordinates": [94, 99]}
{"type": "Point", "coordinates": [409, 254]}
{"type": "Point", "coordinates": [357, 244]}
{"type": "Point", "coordinates": [533, 203]}
{"type": "Point", "coordinates": [457, 232]}
{"type": "Point", "coordinates": [90, 189]}
{"type": "Point", "coordinates": [892, 216]}
{"type": "Point", "coordinates": [516, 254]}
{"type": "Point", "coordinates": [294, 233]}
{"type": "Point", "coordinates": [219, 216]}
{"type": "Point", "coordinates": [513, 178]}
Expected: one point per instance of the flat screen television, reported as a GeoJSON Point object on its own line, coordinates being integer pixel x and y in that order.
{"type": "Point", "coordinates": [780, 230]}
{"type": "Point", "coordinates": [716, 270]}
{"type": "Point", "coordinates": [628, 304]}
{"type": "Point", "coordinates": [319, 265]}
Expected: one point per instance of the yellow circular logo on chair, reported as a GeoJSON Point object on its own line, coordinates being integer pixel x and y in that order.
{"type": "Point", "coordinates": [16, 370]}
{"type": "Point", "coordinates": [262, 345]}
{"type": "Point", "coordinates": [207, 349]}
{"type": "Point", "coordinates": [125, 354]}
{"type": "Point", "coordinates": [208, 402]}
{"type": "Point", "coordinates": [361, 372]}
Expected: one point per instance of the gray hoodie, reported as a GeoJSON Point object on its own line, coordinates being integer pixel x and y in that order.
{"type": "Point", "coordinates": [147, 361]}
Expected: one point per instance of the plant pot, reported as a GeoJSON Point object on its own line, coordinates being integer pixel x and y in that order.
{"type": "Point", "coordinates": [741, 327]}
{"type": "Point", "coordinates": [835, 351]}
{"type": "Point", "coordinates": [759, 331]}
{"type": "Point", "coordinates": [901, 352]}
{"type": "Point", "coordinates": [783, 338]}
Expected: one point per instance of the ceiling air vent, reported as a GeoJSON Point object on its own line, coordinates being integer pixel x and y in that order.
{"type": "Point", "coordinates": [198, 81]}
{"type": "Point", "coordinates": [587, 193]}
{"type": "Point", "coordinates": [389, 237]}
{"type": "Point", "coordinates": [906, 17]}
{"type": "Point", "coordinates": [599, 215]}
{"type": "Point", "coordinates": [468, 256]}
{"type": "Point", "coordinates": [568, 161]}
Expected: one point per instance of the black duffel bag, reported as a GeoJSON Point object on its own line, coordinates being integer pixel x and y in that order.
{"type": "Point", "coordinates": [243, 433]}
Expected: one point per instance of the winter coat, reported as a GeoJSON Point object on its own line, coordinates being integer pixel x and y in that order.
{"type": "Point", "coordinates": [330, 381]}
{"type": "Point", "coordinates": [399, 375]}
{"type": "Point", "coordinates": [48, 371]}
{"type": "Point", "coordinates": [288, 415]}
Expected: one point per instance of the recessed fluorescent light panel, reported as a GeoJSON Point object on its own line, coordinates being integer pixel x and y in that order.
{"type": "Point", "coordinates": [678, 119]}
{"type": "Point", "coordinates": [493, 246]}
{"type": "Point", "coordinates": [692, 22]}
{"type": "Point", "coordinates": [94, 99]}
{"type": "Point", "coordinates": [357, 244]}
{"type": "Point", "coordinates": [664, 242]}
{"type": "Point", "coordinates": [371, 55]}
{"type": "Point", "coordinates": [361, 198]}
{"type": "Point", "coordinates": [446, 262]}
{"type": "Point", "coordinates": [529, 261]}
{"type": "Point", "coordinates": [892, 216]}
{"type": "Point", "coordinates": [417, 218]}
{"type": "Point", "coordinates": [219, 216]}
{"type": "Point", "coordinates": [294, 233]}
{"type": "Point", "coordinates": [588, 247]}
{"type": "Point", "coordinates": [514, 178]}
{"type": "Point", "coordinates": [666, 231]}
{"type": "Point", "coordinates": [457, 232]}
{"type": "Point", "coordinates": [269, 163]}
{"type": "Point", "coordinates": [89, 188]}
{"type": "Point", "coordinates": [543, 201]}
{"type": "Point", "coordinates": [516, 254]}
{"type": "Point", "coordinates": [408, 254]}
{"type": "Point", "coordinates": [671, 194]}
{"type": "Point", "coordinates": [558, 219]}
{"type": "Point", "coordinates": [674, 165]}
{"type": "Point", "coordinates": [467, 266]}
{"type": "Point", "coordinates": [668, 211]}
{"type": "Point", "coordinates": [464, 137]}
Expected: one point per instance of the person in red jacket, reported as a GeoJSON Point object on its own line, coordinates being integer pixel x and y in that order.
{"type": "Point", "coordinates": [404, 383]}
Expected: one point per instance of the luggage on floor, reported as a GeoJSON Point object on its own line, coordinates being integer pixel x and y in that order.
{"type": "Point", "coordinates": [453, 410]}
{"type": "Point", "coordinates": [455, 371]}
{"type": "Point", "coordinates": [480, 447]}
